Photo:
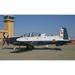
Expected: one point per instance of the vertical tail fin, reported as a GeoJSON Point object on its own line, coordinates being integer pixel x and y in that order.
{"type": "Point", "coordinates": [63, 33]}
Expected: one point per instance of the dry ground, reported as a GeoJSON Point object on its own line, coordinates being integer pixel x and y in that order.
{"type": "Point", "coordinates": [66, 52]}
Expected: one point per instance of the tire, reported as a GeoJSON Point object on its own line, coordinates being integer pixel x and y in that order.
{"type": "Point", "coordinates": [29, 47]}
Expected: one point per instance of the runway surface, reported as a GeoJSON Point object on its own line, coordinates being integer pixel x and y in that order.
{"type": "Point", "coordinates": [66, 52]}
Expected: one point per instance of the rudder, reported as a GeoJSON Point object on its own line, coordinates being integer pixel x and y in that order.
{"type": "Point", "coordinates": [63, 33]}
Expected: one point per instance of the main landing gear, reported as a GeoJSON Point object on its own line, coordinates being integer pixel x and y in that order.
{"type": "Point", "coordinates": [29, 47]}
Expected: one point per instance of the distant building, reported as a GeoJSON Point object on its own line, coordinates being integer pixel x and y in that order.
{"type": "Point", "coordinates": [73, 41]}
{"type": "Point", "coordinates": [8, 27]}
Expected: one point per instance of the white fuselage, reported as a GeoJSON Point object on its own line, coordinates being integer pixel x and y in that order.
{"type": "Point", "coordinates": [41, 38]}
{"type": "Point", "coordinates": [32, 39]}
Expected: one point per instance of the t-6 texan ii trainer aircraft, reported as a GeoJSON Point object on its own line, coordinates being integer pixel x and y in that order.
{"type": "Point", "coordinates": [35, 39]}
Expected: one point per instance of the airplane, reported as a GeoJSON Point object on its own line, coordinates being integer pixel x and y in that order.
{"type": "Point", "coordinates": [35, 39]}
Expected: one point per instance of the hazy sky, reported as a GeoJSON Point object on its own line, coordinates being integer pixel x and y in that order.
{"type": "Point", "coordinates": [42, 24]}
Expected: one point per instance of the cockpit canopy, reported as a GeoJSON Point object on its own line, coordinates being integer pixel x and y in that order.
{"type": "Point", "coordinates": [33, 35]}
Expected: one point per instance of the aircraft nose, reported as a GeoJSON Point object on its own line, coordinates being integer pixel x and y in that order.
{"type": "Point", "coordinates": [18, 39]}
{"type": "Point", "coordinates": [10, 40]}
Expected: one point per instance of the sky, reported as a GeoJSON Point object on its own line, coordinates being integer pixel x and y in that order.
{"type": "Point", "coordinates": [50, 24]}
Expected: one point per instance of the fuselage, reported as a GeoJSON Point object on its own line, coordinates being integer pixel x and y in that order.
{"type": "Point", "coordinates": [41, 40]}
{"type": "Point", "coordinates": [34, 39]}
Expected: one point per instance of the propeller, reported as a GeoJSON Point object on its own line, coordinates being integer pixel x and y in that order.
{"type": "Point", "coordinates": [5, 39]}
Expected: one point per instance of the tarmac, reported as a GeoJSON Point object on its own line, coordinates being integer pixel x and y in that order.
{"type": "Point", "coordinates": [65, 52]}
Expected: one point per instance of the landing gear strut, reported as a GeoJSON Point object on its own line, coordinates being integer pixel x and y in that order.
{"type": "Point", "coordinates": [29, 47]}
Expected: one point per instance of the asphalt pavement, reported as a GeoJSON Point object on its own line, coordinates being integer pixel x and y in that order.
{"type": "Point", "coordinates": [66, 52]}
